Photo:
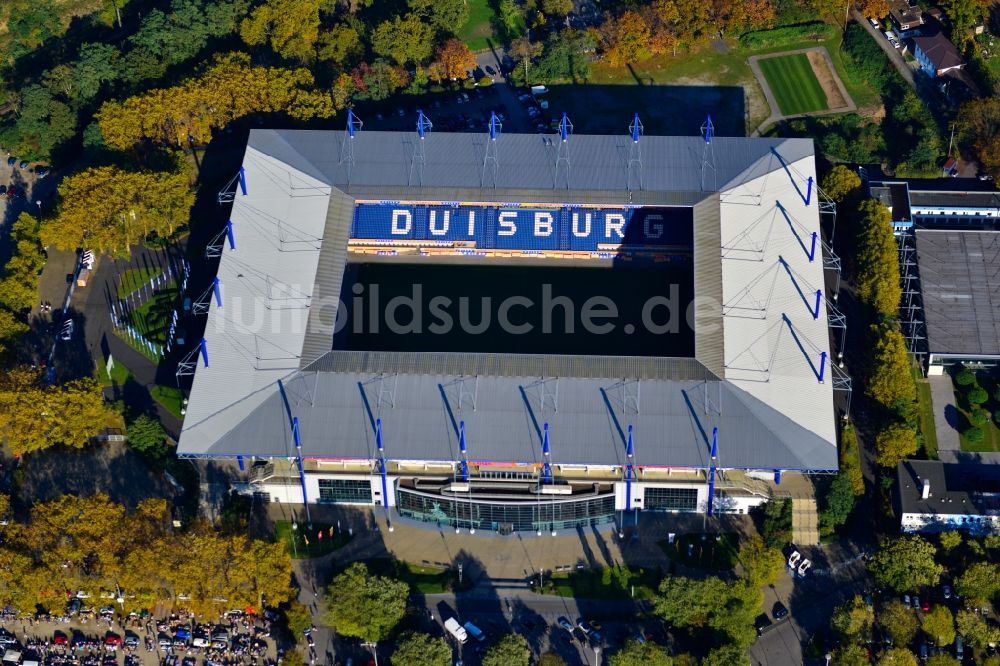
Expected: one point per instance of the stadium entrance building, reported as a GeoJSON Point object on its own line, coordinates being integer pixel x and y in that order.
{"type": "Point", "coordinates": [517, 332]}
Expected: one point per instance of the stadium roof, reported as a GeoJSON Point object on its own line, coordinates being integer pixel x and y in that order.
{"type": "Point", "coordinates": [758, 345]}
{"type": "Point", "coordinates": [960, 284]}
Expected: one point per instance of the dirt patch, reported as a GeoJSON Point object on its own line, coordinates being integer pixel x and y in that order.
{"type": "Point", "coordinates": [834, 99]}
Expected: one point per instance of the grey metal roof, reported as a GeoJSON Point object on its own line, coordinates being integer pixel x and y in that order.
{"type": "Point", "coordinates": [504, 417]}
{"type": "Point", "coordinates": [929, 198]}
{"type": "Point", "coordinates": [960, 284]}
{"type": "Point", "coordinates": [755, 328]}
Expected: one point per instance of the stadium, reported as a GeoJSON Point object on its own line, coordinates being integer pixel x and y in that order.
{"type": "Point", "coordinates": [518, 333]}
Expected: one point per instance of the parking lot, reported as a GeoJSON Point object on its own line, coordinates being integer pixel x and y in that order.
{"type": "Point", "coordinates": [104, 637]}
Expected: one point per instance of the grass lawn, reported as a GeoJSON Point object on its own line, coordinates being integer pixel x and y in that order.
{"type": "Point", "coordinates": [793, 83]}
{"type": "Point", "coordinates": [926, 409]}
{"type": "Point", "coordinates": [152, 318]}
{"type": "Point", "coordinates": [119, 375]}
{"type": "Point", "coordinates": [168, 396]}
{"type": "Point", "coordinates": [134, 279]}
{"type": "Point", "coordinates": [710, 553]}
{"type": "Point", "coordinates": [675, 93]}
{"type": "Point", "coordinates": [990, 443]}
{"type": "Point", "coordinates": [295, 540]}
{"type": "Point", "coordinates": [421, 578]}
{"type": "Point", "coordinates": [602, 584]}
{"type": "Point", "coordinates": [478, 30]}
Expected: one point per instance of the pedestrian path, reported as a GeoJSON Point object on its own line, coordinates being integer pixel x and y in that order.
{"type": "Point", "coordinates": [943, 400]}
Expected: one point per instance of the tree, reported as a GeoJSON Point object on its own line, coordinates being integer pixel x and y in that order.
{"type": "Point", "coordinates": [905, 563]}
{"type": "Point", "coordinates": [404, 39]}
{"type": "Point", "coordinates": [841, 183]}
{"type": "Point", "coordinates": [729, 654]}
{"type": "Point", "coordinates": [877, 259]}
{"type": "Point", "coordinates": [511, 19]}
{"type": "Point", "coordinates": [939, 624]}
{"type": "Point", "coordinates": [99, 64]}
{"type": "Point", "coordinates": [11, 328]}
{"type": "Point", "coordinates": [899, 620]}
{"type": "Point", "coordinates": [445, 15]}
{"type": "Point", "coordinates": [146, 435]}
{"type": "Point", "coordinates": [894, 443]}
{"type": "Point", "coordinates": [43, 123]}
{"type": "Point", "coordinates": [837, 503]}
{"type": "Point", "coordinates": [420, 649]}
{"type": "Point", "coordinates": [551, 659]}
{"type": "Point", "coordinates": [229, 89]}
{"type": "Point", "coordinates": [19, 285]}
{"type": "Point", "coordinates": [455, 58]}
{"type": "Point", "coordinates": [290, 27]}
{"type": "Point", "coordinates": [874, 8]}
{"type": "Point", "coordinates": [977, 395]}
{"type": "Point", "coordinates": [511, 650]}
{"type": "Point", "coordinates": [761, 565]}
{"type": "Point", "coordinates": [965, 377]}
{"type": "Point", "coordinates": [853, 619]}
{"type": "Point", "coordinates": [941, 660]}
{"type": "Point", "coordinates": [559, 8]}
{"type": "Point", "coordinates": [522, 50]}
{"type": "Point", "coordinates": [974, 629]}
{"type": "Point", "coordinates": [850, 655]}
{"type": "Point", "coordinates": [626, 39]}
{"type": "Point", "coordinates": [727, 608]}
{"type": "Point", "coordinates": [964, 15]}
{"type": "Point", "coordinates": [950, 540]}
{"type": "Point", "coordinates": [365, 606]}
{"type": "Point", "coordinates": [850, 459]}
{"type": "Point", "coordinates": [889, 380]}
{"type": "Point", "coordinates": [299, 619]}
{"type": "Point", "coordinates": [979, 125]}
{"type": "Point", "coordinates": [35, 414]}
{"type": "Point", "coordinates": [897, 657]}
{"type": "Point", "coordinates": [777, 526]}
{"type": "Point", "coordinates": [340, 46]}
{"type": "Point", "coordinates": [979, 583]}
{"type": "Point", "coordinates": [634, 653]}
{"type": "Point", "coordinates": [564, 57]}
{"type": "Point", "coordinates": [109, 209]}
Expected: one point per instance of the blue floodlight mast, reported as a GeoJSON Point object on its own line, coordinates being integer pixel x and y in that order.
{"type": "Point", "coordinates": [464, 450]}
{"type": "Point", "coordinates": [546, 451]}
{"type": "Point", "coordinates": [711, 471]}
{"type": "Point", "coordinates": [635, 128]}
{"type": "Point", "coordinates": [494, 126]}
{"type": "Point", "coordinates": [564, 128]}
{"type": "Point", "coordinates": [424, 124]}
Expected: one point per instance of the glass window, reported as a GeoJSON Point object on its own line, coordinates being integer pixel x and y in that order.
{"type": "Point", "coordinates": [345, 491]}
{"type": "Point", "coordinates": [671, 499]}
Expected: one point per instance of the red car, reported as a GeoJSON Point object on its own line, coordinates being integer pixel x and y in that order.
{"type": "Point", "coordinates": [925, 605]}
{"type": "Point", "coordinates": [112, 639]}
{"type": "Point", "coordinates": [60, 639]}
{"type": "Point", "coordinates": [12, 192]}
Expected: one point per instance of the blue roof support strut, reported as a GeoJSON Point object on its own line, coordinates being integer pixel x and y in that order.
{"type": "Point", "coordinates": [243, 181]}
{"type": "Point", "coordinates": [381, 461]}
{"type": "Point", "coordinates": [628, 471]}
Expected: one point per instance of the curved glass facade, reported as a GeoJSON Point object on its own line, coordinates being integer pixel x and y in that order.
{"type": "Point", "coordinates": [545, 514]}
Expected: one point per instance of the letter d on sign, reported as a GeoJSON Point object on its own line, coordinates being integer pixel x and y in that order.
{"type": "Point", "coordinates": [402, 222]}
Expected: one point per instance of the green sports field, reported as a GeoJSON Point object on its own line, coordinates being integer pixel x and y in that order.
{"type": "Point", "coordinates": [793, 83]}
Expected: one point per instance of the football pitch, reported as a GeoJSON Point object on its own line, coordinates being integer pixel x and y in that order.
{"type": "Point", "coordinates": [793, 84]}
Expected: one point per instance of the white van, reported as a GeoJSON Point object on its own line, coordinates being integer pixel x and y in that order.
{"type": "Point", "coordinates": [456, 630]}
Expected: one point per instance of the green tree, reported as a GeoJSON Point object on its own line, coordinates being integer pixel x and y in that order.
{"type": "Point", "coordinates": [448, 16]}
{"type": "Point", "coordinates": [146, 435]}
{"type": "Point", "coordinates": [979, 583]}
{"type": "Point", "coordinates": [405, 40]}
{"type": "Point", "coordinates": [897, 657]}
{"type": "Point", "coordinates": [727, 608]}
{"type": "Point", "coordinates": [420, 649]}
{"type": "Point", "coordinates": [850, 655]}
{"type": "Point", "coordinates": [777, 525]}
{"type": "Point", "coordinates": [965, 377]}
{"type": "Point", "coordinates": [977, 396]}
{"type": "Point", "coordinates": [905, 563]}
{"type": "Point", "coordinates": [564, 57]}
{"type": "Point", "coordinates": [850, 459]}
{"type": "Point", "coordinates": [634, 653]}
{"type": "Point", "coordinates": [551, 659]}
{"type": "Point", "coordinates": [877, 259]}
{"type": "Point", "coordinates": [299, 619]}
{"type": "Point", "coordinates": [900, 621]}
{"type": "Point", "coordinates": [43, 124]}
{"type": "Point", "coordinates": [761, 565]}
{"type": "Point", "coordinates": [964, 14]}
{"type": "Point", "coordinates": [341, 46]}
{"type": "Point", "coordinates": [894, 443]}
{"type": "Point", "coordinates": [950, 540]}
{"type": "Point", "coordinates": [511, 650]}
{"type": "Point", "coordinates": [841, 183]}
{"type": "Point", "coordinates": [98, 65]}
{"type": "Point", "coordinates": [510, 19]}
{"type": "Point", "coordinates": [365, 606]}
{"type": "Point", "coordinates": [853, 620]}
{"type": "Point", "coordinates": [837, 503]}
{"type": "Point", "coordinates": [974, 629]}
{"type": "Point", "coordinates": [11, 329]}
{"type": "Point", "coordinates": [941, 660]}
{"type": "Point", "coordinates": [889, 380]}
{"type": "Point", "coordinates": [728, 654]}
{"type": "Point", "coordinates": [559, 8]}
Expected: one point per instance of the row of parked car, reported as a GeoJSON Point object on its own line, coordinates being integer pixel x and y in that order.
{"type": "Point", "coordinates": [40, 171]}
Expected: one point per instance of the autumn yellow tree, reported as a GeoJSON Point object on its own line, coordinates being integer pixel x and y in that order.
{"type": "Point", "coordinates": [890, 382]}
{"type": "Point", "coordinates": [841, 183]}
{"type": "Point", "coordinates": [231, 88]}
{"type": "Point", "coordinates": [289, 27]}
{"type": "Point", "coordinates": [626, 39]}
{"type": "Point", "coordinates": [108, 209]}
{"type": "Point", "coordinates": [19, 284]}
{"type": "Point", "coordinates": [878, 281]}
{"type": "Point", "coordinates": [455, 59]}
{"type": "Point", "coordinates": [980, 124]}
{"type": "Point", "coordinates": [35, 415]}
{"type": "Point", "coordinates": [877, 9]}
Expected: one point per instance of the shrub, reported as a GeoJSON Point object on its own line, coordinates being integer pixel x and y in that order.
{"type": "Point", "coordinates": [979, 417]}
{"type": "Point", "coordinates": [977, 396]}
{"type": "Point", "coordinates": [965, 377]}
{"type": "Point", "coordinates": [974, 435]}
{"type": "Point", "coordinates": [785, 35]}
{"type": "Point", "coordinates": [485, 81]}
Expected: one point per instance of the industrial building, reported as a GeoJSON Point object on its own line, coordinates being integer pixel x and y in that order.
{"type": "Point", "coordinates": [933, 496]}
{"type": "Point", "coordinates": [707, 383]}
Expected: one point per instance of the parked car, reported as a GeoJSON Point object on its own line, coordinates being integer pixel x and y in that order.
{"type": "Point", "coordinates": [874, 22]}
{"type": "Point", "coordinates": [762, 623]}
{"type": "Point", "coordinates": [916, 602]}
{"type": "Point", "coordinates": [66, 332]}
{"type": "Point", "coordinates": [24, 164]}
{"type": "Point", "coordinates": [779, 611]}
{"type": "Point", "coordinates": [565, 624]}
{"type": "Point", "coordinates": [925, 606]}
{"type": "Point", "coordinates": [11, 161]}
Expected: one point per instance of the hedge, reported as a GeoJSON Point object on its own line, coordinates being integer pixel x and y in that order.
{"type": "Point", "coordinates": [786, 35]}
